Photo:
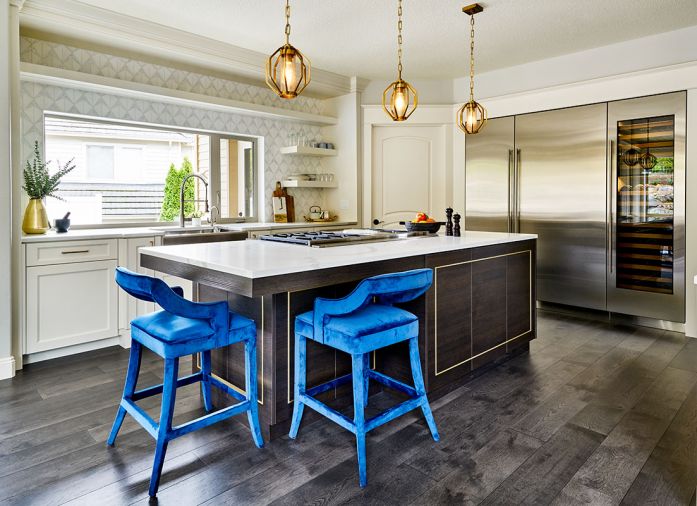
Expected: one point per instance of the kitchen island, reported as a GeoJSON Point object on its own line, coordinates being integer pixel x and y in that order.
{"type": "Point", "coordinates": [479, 311]}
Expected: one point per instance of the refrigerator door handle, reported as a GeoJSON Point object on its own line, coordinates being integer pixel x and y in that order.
{"type": "Point", "coordinates": [516, 208]}
{"type": "Point", "coordinates": [511, 186]}
{"type": "Point", "coordinates": [610, 205]}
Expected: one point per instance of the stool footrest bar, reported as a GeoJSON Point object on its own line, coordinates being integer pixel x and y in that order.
{"type": "Point", "coordinates": [208, 419]}
{"type": "Point", "coordinates": [393, 412]}
{"type": "Point", "coordinates": [227, 389]}
{"type": "Point", "coordinates": [330, 413]}
{"type": "Point", "coordinates": [157, 389]}
{"type": "Point", "coordinates": [392, 383]}
{"type": "Point", "coordinates": [328, 385]}
{"type": "Point", "coordinates": [140, 416]}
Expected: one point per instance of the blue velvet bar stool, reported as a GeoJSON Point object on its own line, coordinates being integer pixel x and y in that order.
{"type": "Point", "coordinates": [364, 321]}
{"type": "Point", "coordinates": [183, 328]}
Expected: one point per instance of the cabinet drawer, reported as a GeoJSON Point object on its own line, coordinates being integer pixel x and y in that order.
{"type": "Point", "coordinates": [64, 252]}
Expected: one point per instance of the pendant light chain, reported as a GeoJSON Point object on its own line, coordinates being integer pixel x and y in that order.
{"type": "Point", "coordinates": [471, 58]}
{"type": "Point", "coordinates": [287, 21]}
{"type": "Point", "coordinates": [399, 39]}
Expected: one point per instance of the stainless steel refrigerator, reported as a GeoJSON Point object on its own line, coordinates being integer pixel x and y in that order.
{"type": "Point", "coordinates": [603, 186]}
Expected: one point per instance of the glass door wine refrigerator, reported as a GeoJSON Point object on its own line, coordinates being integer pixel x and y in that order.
{"type": "Point", "coordinates": [646, 164]}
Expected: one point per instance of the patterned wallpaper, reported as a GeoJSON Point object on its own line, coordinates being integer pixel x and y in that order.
{"type": "Point", "coordinates": [37, 98]}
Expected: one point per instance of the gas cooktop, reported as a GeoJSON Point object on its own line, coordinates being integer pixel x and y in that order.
{"type": "Point", "coordinates": [324, 239]}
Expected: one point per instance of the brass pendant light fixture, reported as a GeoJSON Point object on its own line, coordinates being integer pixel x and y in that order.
{"type": "Point", "coordinates": [648, 160]}
{"type": "Point", "coordinates": [399, 100]}
{"type": "Point", "coordinates": [287, 69]}
{"type": "Point", "coordinates": [472, 116]}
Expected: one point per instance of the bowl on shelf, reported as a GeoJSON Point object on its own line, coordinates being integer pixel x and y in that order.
{"type": "Point", "coordinates": [62, 224]}
{"type": "Point", "coordinates": [422, 226]}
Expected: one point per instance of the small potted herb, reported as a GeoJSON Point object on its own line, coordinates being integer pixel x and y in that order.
{"type": "Point", "coordinates": [196, 218]}
{"type": "Point", "coordinates": [39, 184]}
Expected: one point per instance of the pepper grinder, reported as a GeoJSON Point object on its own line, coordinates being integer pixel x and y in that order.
{"type": "Point", "coordinates": [456, 228]}
{"type": "Point", "coordinates": [449, 221]}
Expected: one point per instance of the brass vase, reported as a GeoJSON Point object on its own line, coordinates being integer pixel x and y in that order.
{"type": "Point", "coordinates": [35, 218]}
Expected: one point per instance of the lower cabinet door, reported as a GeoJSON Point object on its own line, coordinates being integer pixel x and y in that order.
{"type": "Point", "coordinates": [70, 304]}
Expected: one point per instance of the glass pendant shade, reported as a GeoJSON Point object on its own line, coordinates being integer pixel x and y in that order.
{"type": "Point", "coordinates": [287, 72]}
{"type": "Point", "coordinates": [471, 117]}
{"type": "Point", "coordinates": [648, 161]}
{"type": "Point", "coordinates": [287, 69]}
{"type": "Point", "coordinates": [399, 100]}
{"type": "Point", "coordinates": [631, 157]}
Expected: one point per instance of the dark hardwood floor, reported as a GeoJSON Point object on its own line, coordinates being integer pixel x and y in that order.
{"type": "Point", "coordinates": [595, 414]}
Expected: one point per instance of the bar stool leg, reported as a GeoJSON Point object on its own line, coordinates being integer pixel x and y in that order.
{"type": "Point", "coordinates": [420, 387]}
{"type": "Point", "coordinates": [359, 396]}
{"type": "Point", "coordinates": [169, 392]}
{"type": "Point", "coordinates": [366, 379]}
{"type": "Point", "coordinates": [205, 380]}
{"type": "Point", "coordinates": [250, 366]}
{"type": "Point", "coordinates": [131, 380]}
{"type": "Point", "coordinates": [300, 378]}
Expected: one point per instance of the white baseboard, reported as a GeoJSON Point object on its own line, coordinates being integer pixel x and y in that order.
{"type": "Point", "coordinates": [7, 367]}
{"type": "Point", "coordinates": [71, 350]}
{"type": "Point", "coordinates": [125, 338]}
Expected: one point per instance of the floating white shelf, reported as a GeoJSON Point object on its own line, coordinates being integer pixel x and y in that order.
{"type": "Point", "coordinates": [307, 151]}
{"type": "Point", "coordinates": [308, 184]}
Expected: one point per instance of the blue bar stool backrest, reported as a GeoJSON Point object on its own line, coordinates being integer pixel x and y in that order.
{"type": "Point", "coordinates": [384, 289]}
{"type": "Point", "coordinates": [151, 289]}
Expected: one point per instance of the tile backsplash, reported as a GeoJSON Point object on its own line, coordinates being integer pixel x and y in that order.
{"type": "Point", "coordinates": [38, 98]}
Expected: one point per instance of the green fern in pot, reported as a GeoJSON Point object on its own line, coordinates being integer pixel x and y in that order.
{"type": "Point", "coordinates": [39, 184]}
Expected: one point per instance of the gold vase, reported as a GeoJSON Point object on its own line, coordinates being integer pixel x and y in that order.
{"type": "Point", "coordinates": [35, 218]}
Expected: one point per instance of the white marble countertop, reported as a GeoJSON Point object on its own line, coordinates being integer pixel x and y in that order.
{"type": "Point", "coordinates": [257, 259]}
{"type": "Point", "coordinates": [124, 232]}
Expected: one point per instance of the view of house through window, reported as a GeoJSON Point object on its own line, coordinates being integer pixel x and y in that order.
{"type": "Point", "coordinates": [131, 173]}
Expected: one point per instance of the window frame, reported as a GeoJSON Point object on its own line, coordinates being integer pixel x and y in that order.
{"type": "Point", "coordinates": [214, 178]}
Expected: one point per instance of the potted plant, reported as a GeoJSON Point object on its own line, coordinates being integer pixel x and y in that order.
{"type": "Point", "coordinates": [196, 218]}
{"type": "Point", "coordinates": [39, 184]}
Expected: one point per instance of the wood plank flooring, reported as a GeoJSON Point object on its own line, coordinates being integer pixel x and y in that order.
{"type": "Point", "coordinates": [594, 414]}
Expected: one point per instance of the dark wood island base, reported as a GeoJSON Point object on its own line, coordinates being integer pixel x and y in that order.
{"type": "Point", "coordinates": [479, 312]}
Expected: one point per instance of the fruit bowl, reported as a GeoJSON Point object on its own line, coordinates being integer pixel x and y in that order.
{"type": "Point", "coordinates": [431, 227]}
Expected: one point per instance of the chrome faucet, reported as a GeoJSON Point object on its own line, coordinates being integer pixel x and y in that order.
{"type": "Point", "coordinates": [182, 200]}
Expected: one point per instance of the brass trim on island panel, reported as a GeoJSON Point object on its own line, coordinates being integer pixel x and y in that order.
{"type": "Point", "coordinates": [435, 312]}
{"type": "Point", "coordinates": [260, 400]}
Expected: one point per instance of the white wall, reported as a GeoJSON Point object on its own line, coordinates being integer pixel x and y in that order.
{"type": "Point", "coordinates": [655, 51]}
{"type": "Point", "coordinates": [6, 360]}
{"type": "Point", "coordinates": [431, 91]}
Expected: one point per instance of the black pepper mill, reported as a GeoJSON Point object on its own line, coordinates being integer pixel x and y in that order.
{"type": "Point", "coordinates": [449, 221]}
{"type": "Point", "coordinates": [456, 228]}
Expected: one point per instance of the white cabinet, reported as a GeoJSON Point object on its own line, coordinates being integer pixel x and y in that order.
{"type": "Point", "coordinates": [70, 303]}
{"type": "Point", "coordinates": [129, 257]}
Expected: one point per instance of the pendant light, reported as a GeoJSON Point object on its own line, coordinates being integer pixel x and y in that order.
{"type": "Point", "coordinates": [472, 116]}
{"type": "Point", "coordinates": [631, 157]}
{"type": "Point", "coordinates": [287, 69]}
{"type": "Point", "coordinates": [648, 161]}
{"type": "Point", "coordinates": [399, 100]}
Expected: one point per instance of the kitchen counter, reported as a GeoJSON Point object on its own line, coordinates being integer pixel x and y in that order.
{"type": "Point", "coordinates": [76, 234]}
{"type": "Point", "coordinates": [257, 259]}
{"type": "Point", "coordinates": [479, 311]}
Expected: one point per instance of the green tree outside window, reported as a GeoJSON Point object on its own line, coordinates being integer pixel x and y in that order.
{"type": "Point", "coordinates": [173, 183]}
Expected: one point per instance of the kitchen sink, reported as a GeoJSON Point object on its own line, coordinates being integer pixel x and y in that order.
{"type": "Point", "coordinates": [201, 235]}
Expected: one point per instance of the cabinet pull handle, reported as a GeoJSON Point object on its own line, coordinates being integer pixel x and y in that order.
{"type": "Point", "coordinates": [75, 251]}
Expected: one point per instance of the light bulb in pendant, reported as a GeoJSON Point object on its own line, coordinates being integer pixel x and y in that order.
{"type": "Point", "coordinates": [290, 76]}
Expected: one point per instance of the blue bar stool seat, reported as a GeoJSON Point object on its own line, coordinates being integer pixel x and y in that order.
{"type": "Point", "coordinates": [364, 321]}
{"type": "Point", "coordinates": [183, 328]}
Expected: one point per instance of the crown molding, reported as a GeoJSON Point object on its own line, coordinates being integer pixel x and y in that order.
{"type": "Point", "coordinates": [103, 27]}
{"type": "Point", "coordinates": [17, 3]}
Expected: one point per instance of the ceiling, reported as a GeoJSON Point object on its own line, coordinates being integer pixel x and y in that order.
{"type": "Point", "coordinates": [358, 37]}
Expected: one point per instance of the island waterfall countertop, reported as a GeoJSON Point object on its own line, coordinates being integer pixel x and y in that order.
{"type": "Point", "coordinates": [257, 259]}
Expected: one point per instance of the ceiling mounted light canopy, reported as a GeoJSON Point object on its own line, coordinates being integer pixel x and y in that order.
{"type": "Point", "coordinates": [287, 69]}
{"type": "Point", "coordinates": [472, 116]}
{"type": "Point", "coordinates": [399, 100]}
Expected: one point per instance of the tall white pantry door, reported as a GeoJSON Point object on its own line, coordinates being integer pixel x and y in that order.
{"type": "Point", "coordinates": [408, 173]}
